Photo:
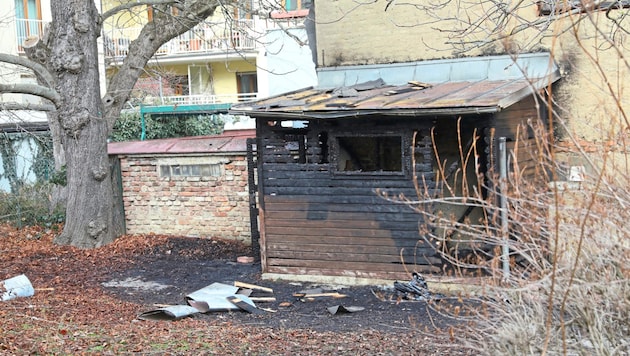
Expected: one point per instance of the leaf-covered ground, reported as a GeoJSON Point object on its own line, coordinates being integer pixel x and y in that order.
{"type": "Point", "coordinates": [79, 306]}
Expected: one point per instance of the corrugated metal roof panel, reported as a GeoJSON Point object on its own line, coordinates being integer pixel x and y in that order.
{"type": "Point", "coordinates": [455, 86]}
{"type": "Point", "coordinates": [228, 142]}
{"type": "Point", "coordinates": [456, 97]}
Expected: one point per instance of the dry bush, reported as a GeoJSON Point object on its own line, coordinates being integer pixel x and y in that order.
{"type": "Point", "coordinates": [567, 290]}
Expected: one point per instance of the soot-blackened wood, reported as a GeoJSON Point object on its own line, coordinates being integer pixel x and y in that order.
{"type": "Point", "coordinates": [316, 217]}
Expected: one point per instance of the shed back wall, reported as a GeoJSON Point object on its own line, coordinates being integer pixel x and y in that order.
{"type": "Point", "coordinates": [316, 223]}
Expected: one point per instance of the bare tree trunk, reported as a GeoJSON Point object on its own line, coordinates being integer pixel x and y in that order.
{"type": "Point", "coordinates": [83, 120]}
{"type": "Point", "coordinates": [73, 60]}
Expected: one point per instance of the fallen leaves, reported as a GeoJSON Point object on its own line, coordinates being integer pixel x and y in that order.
{"type": "Point", "coordinates": [72, 313]}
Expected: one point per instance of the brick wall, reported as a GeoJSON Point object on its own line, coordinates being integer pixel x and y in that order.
{"type": "Point", "coordinates": [204, 206]}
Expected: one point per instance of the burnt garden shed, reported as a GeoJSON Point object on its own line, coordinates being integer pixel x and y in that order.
{"type": "Point", "coordinates": [324, 153]}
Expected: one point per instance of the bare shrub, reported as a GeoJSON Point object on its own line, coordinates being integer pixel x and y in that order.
{"type": "Point", "coordinates": [564, 287]}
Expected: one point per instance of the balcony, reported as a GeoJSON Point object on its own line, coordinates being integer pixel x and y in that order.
{"type": "Point", "coordinates": [25, 28]}
{"type": "Point", "coordinates": [179, 104]}
{"type": "Point", "coordinates": [205, 38]}
{"type": "Point", "coordinates": [199, 99]}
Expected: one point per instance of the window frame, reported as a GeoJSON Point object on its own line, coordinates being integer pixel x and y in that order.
{"type": "Point", "coordinates": [334, 151]}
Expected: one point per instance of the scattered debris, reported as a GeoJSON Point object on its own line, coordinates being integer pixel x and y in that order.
{"type": "Point", "coordinates": [263, 299]}
{"type": "Point", "coordinates": [318, 295]}
{"type": "Point", "coordinates": [252, 286]}
{"type": "Point", "coordinates": [173, 312]}
{"type": "Point", "coordinates": [212, 298]}
{"type": "Point", "coordinates": [245, 259]}
{"type": "Point", "coordinates": [340, 309]}
{"type": "Point", "coordinates": [18, 286]}
{"type": "Point", "coordinates": [415, 289]}
{"type": "Point", "coordinates": [242, 304]}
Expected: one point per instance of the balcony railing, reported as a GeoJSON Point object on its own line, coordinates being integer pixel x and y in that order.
{"type": "Point", "coordinates": [202, 99]}
{"type": "Point", "coordinates": [204, 38]}
{"type": "Point", "coordinates": [25, 28]}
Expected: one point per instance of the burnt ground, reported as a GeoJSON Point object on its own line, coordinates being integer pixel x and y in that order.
{"type": "Point", "coordinates": [166, 273]}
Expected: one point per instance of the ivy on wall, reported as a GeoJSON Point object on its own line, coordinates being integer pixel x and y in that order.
{"type": "Point", "coordinates": [40, 162]}
{"type": "Point", "coordinates": [129, 126]}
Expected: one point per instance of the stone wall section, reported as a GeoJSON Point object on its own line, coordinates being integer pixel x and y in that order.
{"type": "Point", "coordinates": [203, 206]}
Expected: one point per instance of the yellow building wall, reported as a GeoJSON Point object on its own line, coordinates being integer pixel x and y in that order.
{"type": "Point", "coordinates": [225, 75]}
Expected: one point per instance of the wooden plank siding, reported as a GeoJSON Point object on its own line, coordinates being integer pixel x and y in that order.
{"type": "Point", "coordinates": [525, 153]}
{"type": "Point", "coordinates": [319, 219]}
{"type": "Point", "coordinates": [316, 222]}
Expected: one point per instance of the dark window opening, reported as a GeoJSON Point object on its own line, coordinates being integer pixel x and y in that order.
{"type": "Point", "coordinates": [370, 154]}
{"type": "Point", "coordinates": [323, 146]}
{"type": "Point", "coordinates": [247, 85]}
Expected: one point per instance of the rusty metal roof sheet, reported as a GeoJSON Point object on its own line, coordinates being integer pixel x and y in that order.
{"type": "Point", "coordinates": [229, 142]}
{"type": "Point", "coordinates": [414, 98]}
{"type": "Point", "coordinates": [448, 87]}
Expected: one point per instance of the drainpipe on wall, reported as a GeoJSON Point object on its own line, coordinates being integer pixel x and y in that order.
{"type": "Point", "coordinates": [505, 256]}
{"type": "Point", "coordinates": [143, 124]}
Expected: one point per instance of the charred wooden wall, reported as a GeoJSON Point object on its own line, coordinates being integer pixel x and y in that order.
{"type": "Point", "coordinates": [527, 147]}
{"type": "Point", "coordinates": [314, 221]}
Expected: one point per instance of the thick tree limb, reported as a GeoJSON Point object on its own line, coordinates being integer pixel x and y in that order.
{"type": "Point", "coordinates": [27, 106]}
{"type": "Point", "coordinates": [162, 29]}
{"type": "Point", "coordinates": [39, 69]}
{"type": "Point", "coordinates": [32, 89]}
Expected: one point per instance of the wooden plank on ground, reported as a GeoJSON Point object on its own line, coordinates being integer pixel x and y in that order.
{"type": "Point", "coordinates": [252, 286]}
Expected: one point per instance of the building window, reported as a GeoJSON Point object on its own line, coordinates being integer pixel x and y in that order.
{"type": "Point", "coordinates": [190, 170]}
{"type": "Point", "coordinates": [243, 11]}
{"type": "Point", "coordinates": [292, 9]}
{"type": "Point", "coordinates": [28, 9]}
{"type": "Point", "coordinates": [28, 19]}
{"type": "Point", "coordinates": [247, 85]}
{"type": "Point", "coordinates": [369, 154]}
{"type": "Point", "coordinates": [294, 5]}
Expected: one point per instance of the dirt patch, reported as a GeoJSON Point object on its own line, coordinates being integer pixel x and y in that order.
{"type": "Point", "coordinates": [183, 265]}
{"type": "Point", "coordinates": [90, 300]}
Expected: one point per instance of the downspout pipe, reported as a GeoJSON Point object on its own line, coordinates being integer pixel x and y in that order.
{"type": "Point", "coordinates": [505, 255]}
{"type": "Point", "coordinates": [143, 124]}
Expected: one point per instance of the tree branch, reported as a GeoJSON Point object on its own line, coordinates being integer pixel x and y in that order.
{"type": "Point", "coordinates": [26, 106]}
{"type": "Point", "coordinates": [154, 34]}
{"type": "Point", "coordinates": [109, 13]}
{"type": "Point", "coordinates": [32, 65]}
{"type": "Point", "coordinates": [32, 89]}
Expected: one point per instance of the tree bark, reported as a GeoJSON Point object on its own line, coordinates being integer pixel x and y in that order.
{"type": "Point", "coordinates": [73, 61]}
{"type": "Point", "coordinates": [83, 120]}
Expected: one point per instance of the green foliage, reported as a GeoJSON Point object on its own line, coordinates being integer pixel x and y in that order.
{"type": "Point", "coordinates": [129, 126]}
{"type": "Point", "coordinates": [30, 205]}
{"type": "Point", "coordinates": [41, 161]}
{"type": "Point", "coordinates": [59, 177]}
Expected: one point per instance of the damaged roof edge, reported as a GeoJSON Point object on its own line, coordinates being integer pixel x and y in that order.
{"type": "Point", "coordinates": [526, 65]}
{"type": "Point", "coordinates": [455, 96]}
{"type": "Point", "coordinates": [287, 115]}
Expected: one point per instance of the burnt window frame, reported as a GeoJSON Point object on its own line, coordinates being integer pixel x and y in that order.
{"type": "Point", "coordinates": [405, 150]}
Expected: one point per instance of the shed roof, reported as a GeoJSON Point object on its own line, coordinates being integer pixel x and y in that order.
{"type": "Point", "coordinates": [229, 142]}
{"type": "Point", "coordinates": [487, 89]}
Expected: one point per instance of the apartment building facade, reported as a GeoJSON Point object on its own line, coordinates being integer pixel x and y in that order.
{"type": "Point", "coordinates": [233, 56]}
{"type": "Point", "coordinates": [24, 157]}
